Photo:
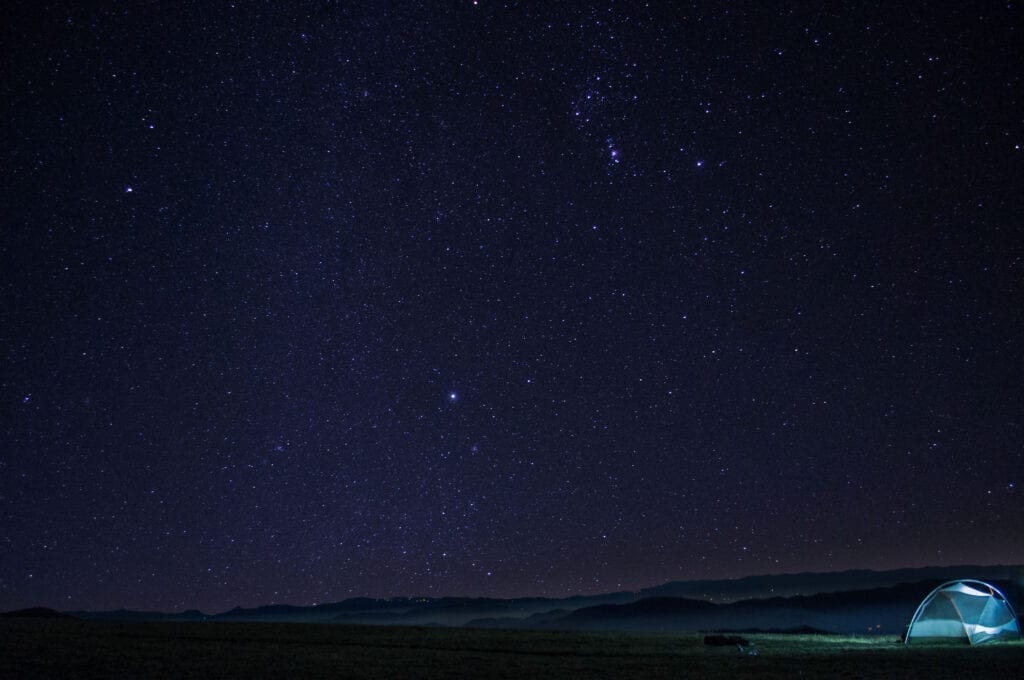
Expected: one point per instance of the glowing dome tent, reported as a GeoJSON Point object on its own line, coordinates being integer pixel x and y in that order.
{"type": "Point", "coordinates": [968, 610]}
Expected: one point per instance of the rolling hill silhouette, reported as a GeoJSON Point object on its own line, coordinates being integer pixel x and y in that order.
{"type": "Point", "coordinates": [859, 601]}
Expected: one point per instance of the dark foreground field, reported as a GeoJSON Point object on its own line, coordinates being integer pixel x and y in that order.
{"type": "Point", "coordinates": [66, 648]}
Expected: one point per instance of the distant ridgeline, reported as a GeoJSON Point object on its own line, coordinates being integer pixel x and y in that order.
{"type": "Point", "coordinates": [860, 601]}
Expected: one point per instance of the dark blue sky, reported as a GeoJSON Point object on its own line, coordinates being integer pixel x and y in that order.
{"type": "Point", "coordinates": [308, 300]}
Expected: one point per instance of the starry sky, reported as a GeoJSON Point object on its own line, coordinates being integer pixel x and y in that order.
{"type": "Point", "coordinates": [302, 301]}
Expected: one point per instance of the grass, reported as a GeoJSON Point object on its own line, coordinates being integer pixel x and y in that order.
{"type": "Point", "coordinates": [51, 649]}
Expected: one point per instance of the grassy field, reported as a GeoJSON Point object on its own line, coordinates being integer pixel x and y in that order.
{"type": "Point", "coordinates": [66, 649]}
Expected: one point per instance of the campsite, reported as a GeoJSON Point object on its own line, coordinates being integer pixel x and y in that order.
{"type": "Point", "coordinates": [487, 339]}
{"type": "Point", "coordinates": [88, 649]}
{"type": "Point", "coordinates": [940, 624]}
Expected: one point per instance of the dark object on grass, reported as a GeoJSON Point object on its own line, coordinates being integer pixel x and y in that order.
{"type": "Point", "coordinates": [725, 641]}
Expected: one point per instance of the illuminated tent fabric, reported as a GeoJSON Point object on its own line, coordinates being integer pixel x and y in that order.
{"type": "Point", "coordinates": [968, 610]}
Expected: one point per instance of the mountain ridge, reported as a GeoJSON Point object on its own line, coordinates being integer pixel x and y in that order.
{"type": "Point", "coordinates": [701, 603]}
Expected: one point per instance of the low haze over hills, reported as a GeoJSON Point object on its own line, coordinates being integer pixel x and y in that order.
{"type": "Point", "coordinates": [859, 601]}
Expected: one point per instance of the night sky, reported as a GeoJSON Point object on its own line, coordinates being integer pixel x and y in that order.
{"type": "Point", "coordinates": [302, 301]}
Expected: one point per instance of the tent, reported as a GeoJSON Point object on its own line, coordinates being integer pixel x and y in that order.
{"type": "Point", "coordinates": [967, 609]}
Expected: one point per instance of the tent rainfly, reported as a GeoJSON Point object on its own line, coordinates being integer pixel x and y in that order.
{"type": "Point", "coordinates": [968, 609]}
